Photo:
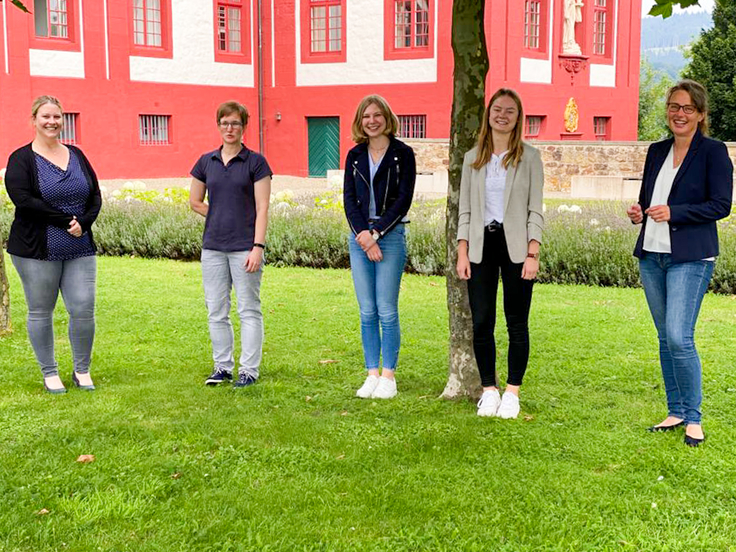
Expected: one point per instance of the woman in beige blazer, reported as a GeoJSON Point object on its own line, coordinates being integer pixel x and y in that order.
{"type": "Point", "coordinates": [500, 225]}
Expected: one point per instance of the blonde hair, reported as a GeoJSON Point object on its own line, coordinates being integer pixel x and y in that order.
{"type": "Point", "coordinates": [698, 95]}
{"type": "Point", "coordinates": [392, 122]}
{"type": "Point", "coordinates": [485, 136]}
{"type": "Point", "coordinates": [43, 100]}
{"type": "Point", "coordinates": [230, 108]}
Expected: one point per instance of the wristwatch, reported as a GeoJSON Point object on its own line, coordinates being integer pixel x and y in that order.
{"type": "Point", "coordinates": [375, 234]}
{"type": "Point", "coordinates": [534, 256]}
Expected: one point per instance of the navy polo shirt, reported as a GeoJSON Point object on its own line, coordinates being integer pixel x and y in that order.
{"type": "Point", "coordinates": [231, 218]}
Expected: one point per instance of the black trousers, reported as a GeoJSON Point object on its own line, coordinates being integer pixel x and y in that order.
{"type": "Point", "coordinates": [517, 300]}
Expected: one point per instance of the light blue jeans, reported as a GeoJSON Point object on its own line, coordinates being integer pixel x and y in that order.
{"type": "Point", "coordinates": [221, 272]}
{"type": "Point", "coordinates": [377, 288]}
{"type": "Point", "coordinates": [42, 281]}
{"type": "Point", "coordinates": [675, 292]}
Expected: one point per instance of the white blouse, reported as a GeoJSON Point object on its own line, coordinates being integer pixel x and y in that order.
{"type": "Point", "coordinates": [494, 188]}
{"type": "Point", "coordinates": [657, 234]}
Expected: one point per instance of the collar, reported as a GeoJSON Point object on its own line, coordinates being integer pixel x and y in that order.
{"type": "Point", "coordinates": [242, 154]}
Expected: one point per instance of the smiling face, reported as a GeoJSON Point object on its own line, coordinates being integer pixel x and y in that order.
{"type": "Point", "coordinates": [231, 129]}
{"type": "Point", "coordinates": [503, 115]}
{"type": "Point", "coordinates": [682, 125]}
{"type": "Point", "coordinates": [374, 121]}
{"type": "Point", "coordinates": [48, 121]}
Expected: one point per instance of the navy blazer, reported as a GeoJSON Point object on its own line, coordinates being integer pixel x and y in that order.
{"type": "Point", "coordinates": [701, 194]}
{"type": "Point", "coordinates": [393, 186]}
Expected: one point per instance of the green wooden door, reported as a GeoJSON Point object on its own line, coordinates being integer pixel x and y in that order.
{"type": "Point", "coordinates": [324, 145]}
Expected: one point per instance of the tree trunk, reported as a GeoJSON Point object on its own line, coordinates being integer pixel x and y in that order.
{"type": "Point", "coordinates": [471, 67]}
{"type": "Point", "coordinates": [4, 298]}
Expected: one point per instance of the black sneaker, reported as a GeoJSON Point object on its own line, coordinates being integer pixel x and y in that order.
{"type": "Point", "coordinates": [218, 376]}
{"type": "Point", "coordinates": [244, 380]}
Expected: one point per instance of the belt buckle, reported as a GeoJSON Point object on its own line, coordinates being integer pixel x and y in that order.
{"type": "Point", "coordinates": [493, 226]}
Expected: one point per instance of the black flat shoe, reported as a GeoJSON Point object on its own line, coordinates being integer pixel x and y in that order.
{"type": "Point", "coordinates": [693, 441]}
{"type": "Point", "coordinates": [79, 385]}
{"type": "Point", "coordinates": [657, 428]}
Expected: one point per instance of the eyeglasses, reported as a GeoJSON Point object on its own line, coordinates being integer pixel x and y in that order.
{"type": "Point", "coordinates": [687, 109]}
{"type": "Point", "coordinates": [230, 124]}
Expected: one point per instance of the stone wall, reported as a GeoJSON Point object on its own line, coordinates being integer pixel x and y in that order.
{"type": "Point", "coordinates": [562, 160]}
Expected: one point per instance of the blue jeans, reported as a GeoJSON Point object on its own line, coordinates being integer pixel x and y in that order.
{"type": "Point", "coordinates": [42, 282]}
{"type": "Point", "coordinates": [221, 272]}
{"type": "Point", "coordinates": [675, 292]}
{"type": "Point", "coordinates": [377, 288]}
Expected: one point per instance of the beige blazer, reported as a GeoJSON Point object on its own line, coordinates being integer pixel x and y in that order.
{"type": "Point", "coordinates": [523, 220]}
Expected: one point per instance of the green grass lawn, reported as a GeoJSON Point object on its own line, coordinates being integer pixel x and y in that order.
{"type": "Point", "coordinates": [298, 463]}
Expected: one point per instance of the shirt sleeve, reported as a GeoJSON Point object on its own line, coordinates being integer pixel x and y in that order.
{"type": "Point", "coordinates": [198, 171]}
{"type": "Point", "coordinates": [260, 168]}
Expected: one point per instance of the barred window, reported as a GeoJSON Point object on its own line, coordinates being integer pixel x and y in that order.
{"type": "Point", "coordinates": [413, 126]}
{"type": "Point", "coordinates": [533, 126]}
{"type": "Point", "coordinates": [600, 127]}
{"type": "Point", "coordinates": [69, 132]}
{"type": "Point", "coordinates": [153, 130]}
{"type": "Point", "coordinates": [411, 23]}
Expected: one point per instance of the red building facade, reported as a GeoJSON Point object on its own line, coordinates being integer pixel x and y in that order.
{"type": "Point", "coordinates": [140, 79]}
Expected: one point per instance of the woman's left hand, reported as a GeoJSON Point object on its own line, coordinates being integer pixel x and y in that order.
{"type": "Point", "coordinates": [530, 269]}
{"type": "Point", "coordinates": [254, 259]}
{"type": "Point", "coordinates": [659, 213]}
{"type": "Point", "coordinates": [75, 229]}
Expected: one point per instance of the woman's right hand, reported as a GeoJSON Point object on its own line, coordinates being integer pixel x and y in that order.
{"type": "Point", "coordinates": [374, 252]}
{"type": "Point", "coordinates": [635, 214]}
{"type": "Point", "coordinates": [463, 265]}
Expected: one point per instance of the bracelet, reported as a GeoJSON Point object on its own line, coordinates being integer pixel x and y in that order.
{"type": "Point", "coordinates": [261, 245]}
{"type": "Point", "coordinates": [534, 256]}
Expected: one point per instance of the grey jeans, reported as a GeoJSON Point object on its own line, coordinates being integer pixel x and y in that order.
{"type": "Point", "coordinates": [42, 281]}
{"type": "Point", "coordinates": [221, 272]}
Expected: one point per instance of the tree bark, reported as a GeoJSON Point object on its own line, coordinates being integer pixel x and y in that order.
{"type": "Point", "coordinates": [471, 67]}
{"type": "Point", "coordinates": [5, 327]}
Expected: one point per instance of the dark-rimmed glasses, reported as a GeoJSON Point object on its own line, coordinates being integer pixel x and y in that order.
{"type": "Point", "coordinates": [238, 124]}
{"type": "Point", "coordinates": [688, 109]}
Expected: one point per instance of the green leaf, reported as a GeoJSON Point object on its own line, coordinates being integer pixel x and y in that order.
{"type": "Point", "coordinates": [18, 4]}
{"type": "Point", "coordinates": [664, 10]}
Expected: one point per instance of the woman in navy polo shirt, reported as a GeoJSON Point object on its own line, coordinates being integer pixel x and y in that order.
{"type": "Point", "coordinates": [237, 182]}
{"type": "Point", "coordinates": [379, 185]}
{"type": "Point", "coordinates": [687, 186]}
{"type": "Point", "coordinates": [57, 199]}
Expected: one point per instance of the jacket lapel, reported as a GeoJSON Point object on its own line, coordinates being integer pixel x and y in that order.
{"type": "Point", "coordinates": [510, 177]}
{"type": "Point", "coordinates": [361, 164]}
{"type": "Point", "coordinates": [691, 153]}
{"type": "Point", "coordinates": [657, 166]}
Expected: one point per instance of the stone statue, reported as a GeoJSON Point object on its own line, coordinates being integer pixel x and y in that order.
{"type": "Point", "coordinates": [573, 14]}
{"type": "Point", "coordinates": [571, 115]}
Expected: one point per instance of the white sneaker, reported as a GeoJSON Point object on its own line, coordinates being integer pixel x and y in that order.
{"type": "Point", "coordinates": [386, 389]}
{"type": "Point", "coordinates": [488, 403]}
{"type": "Point", "coordinates": [509, 406]}
{"type": "Point", "coordinates": [369, 385]}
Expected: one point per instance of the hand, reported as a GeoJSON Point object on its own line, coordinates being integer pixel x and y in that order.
{"type": "Point", "coordinates": [659, 213]}
{"type": "Point", "coordinates": [374, 252]}
{"type": "Point", "coordinates": [365, 240]}
{"type": "Point", "coordinates": [75, 229]}
{"type": "Point", "coordinates": [530, 269]}
{"type": "Point", "coordinates": [463, 265]}
{"type": "Point", "coordinates": [634, 213]}
{"type": "Point", "coordinates": [254, 259]}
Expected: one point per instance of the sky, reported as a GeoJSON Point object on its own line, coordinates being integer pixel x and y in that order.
{"type": "Point", "coordinates": [706, 5]}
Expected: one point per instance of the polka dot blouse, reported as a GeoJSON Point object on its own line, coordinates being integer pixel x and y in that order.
{"type": "Point", "coordinates": [68, 191]}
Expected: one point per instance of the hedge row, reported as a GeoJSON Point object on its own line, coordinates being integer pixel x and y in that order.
{"type": "Point", "coordinates": [588, 243]}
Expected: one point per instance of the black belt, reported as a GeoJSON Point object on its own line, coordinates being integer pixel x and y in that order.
{"type": "Point", "coordinates": [494, 226]}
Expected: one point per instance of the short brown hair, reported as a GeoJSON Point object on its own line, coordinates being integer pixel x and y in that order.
{"type": "Point", "coordinates": [392, 123]}
{"type": "Point", "coordinates": [699, 97]}
{"type": "Point", "coordinates": [43, 100]}
{"type": "Point", "coordinates": [228, 108]}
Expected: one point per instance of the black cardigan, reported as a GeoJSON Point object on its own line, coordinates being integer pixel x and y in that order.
{"type": "Point", "coordinates": [32, 214]}
{"type": "Point", "coordinates": [393, 186]}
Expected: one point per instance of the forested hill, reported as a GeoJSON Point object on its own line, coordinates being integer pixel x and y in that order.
{"type": "Point", "coordinates": [662, 40]}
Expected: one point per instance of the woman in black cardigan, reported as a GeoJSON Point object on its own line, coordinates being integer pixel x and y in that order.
{"type": "Point", "coordinates": [379, 184]}
{"type": "Point", "coordinates": [57, 199]}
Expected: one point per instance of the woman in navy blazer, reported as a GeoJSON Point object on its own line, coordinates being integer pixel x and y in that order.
{"type": "Point", "coordinates": [379, 184]}
{"type": "Point", "coordinates": [687, 186]}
